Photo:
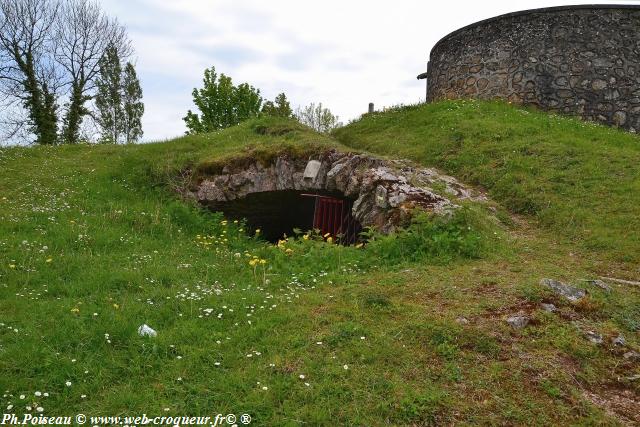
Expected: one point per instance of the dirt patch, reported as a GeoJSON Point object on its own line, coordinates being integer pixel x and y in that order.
{"type": "Point", "coordinates": [623, 405]}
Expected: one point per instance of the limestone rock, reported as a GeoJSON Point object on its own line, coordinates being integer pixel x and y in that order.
{"type": "Point", "coordinates": [632, 355]}
{"type": "Point", "coordinates": [311, 170]}
{"type": "Point", "coordinates": [594, 337]}
{"type": "Point", "coordinates": [548, 307]}
{"type": "Point", "coordinates": [518, 321]}
{"type": "Point", "coordinates": [381, 197]}
{"type": "Point", "coordinates": [600, 284]}
{"type": "Point", "coordinates": [619, 340]}
{"type": "Point", "coordinates": [569, 292]}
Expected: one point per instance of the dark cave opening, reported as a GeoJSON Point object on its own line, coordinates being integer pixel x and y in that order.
{"type": "Point", "coordinates": [278, 213]}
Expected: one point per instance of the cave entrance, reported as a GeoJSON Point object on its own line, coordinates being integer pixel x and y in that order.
{"type": "Point", "coordinates": [278, 213]}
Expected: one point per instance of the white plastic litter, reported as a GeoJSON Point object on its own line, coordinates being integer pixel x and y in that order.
{"type": "Point", "coordinates": [146, 331]}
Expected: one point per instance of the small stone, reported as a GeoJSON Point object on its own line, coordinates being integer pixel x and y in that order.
{"type": "Point", "coordinates": [619, 118]}
{"type": "Point", "coordinates": [381, 197]}
{"type": "Point", "coordinates": [548, 307]}
{"type": "Point", "coordinates": [569, 292]}
{"type": "Point", "coordinates": [462, 320]}
{"type": "Point", "coordinates": [518, 322]}
{"type": "Point", "coordinates": [598, 84]}
{"type": "Point", "coordinates": [311, 170]}
{"type": "Point", "coordinates": [600, 284]}
{"type": "Point", "coordinates": [594, 337]}
{"type": "Point", "coordinates": [619, 340]}
{"type": "Point", "coordinates": [631, 355]}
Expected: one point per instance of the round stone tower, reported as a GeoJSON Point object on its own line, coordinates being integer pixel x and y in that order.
{"type": "Point", "coordinates": [577, 60]}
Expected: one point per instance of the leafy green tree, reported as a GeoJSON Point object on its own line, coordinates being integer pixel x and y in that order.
{"type": "Point", "coordinates": [83, 33]}
{"type": "Point", "coordinates": [318, 118]}
{"type": "Point", "coordinates": [118, 100]}
{"type": "Point", "coordinates": [279, 108]}
{"type": "Point", "coordinates": [132, 105]}
{"type": "Point", "coordinates": [221, 104]}
{"type": "Point", "coordinates": [110, 114]}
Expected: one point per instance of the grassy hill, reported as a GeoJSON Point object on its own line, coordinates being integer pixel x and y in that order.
{"type": "Point", "coordinates": [94, 242]}
{"type": "Point", "coordinates": [578, 179]}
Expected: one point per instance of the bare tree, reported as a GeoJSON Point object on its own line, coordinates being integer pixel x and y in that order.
{"type": "Point", "coordinates": [14, 122]}
{"type": "Point", "coordinates": [318, 118]}
{"type": "Point", "coordinates": [51, 50]}
{"type": "Point", "coordinates": [83, 33]}
{"type": "Point", "coordinates": [26, 70]}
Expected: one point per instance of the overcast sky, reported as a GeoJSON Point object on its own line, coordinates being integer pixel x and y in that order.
{"type": "Point", "coordinates": [344, 54]}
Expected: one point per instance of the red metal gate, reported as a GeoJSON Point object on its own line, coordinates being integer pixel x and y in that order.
{"type": "Point", "coordinates": [333, 216]}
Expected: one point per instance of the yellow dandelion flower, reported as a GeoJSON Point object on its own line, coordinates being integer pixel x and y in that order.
{"type": "Point", "coordinates": [49, 259]}
{"type": "Point", "coordinates": [305, 237]}
{"type": "Point", "coordinates": [258, 231]}
{"type": "Point", "coordinates": [329, 239]}
{"type": "Point", "coordinates": [12, 266]}
{"type": "Point", "coordinates": [116, 306]}
{"type": "Point", "coordinates": [263, 261]}
{"type": "Point", "coordinates": [75, 310]}
{"type": "Point", "coordinates": [253, 262]}
{"type": "Point", "coordinates": [289, 250]}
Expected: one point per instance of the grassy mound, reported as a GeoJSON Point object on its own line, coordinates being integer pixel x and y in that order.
{"type": "Point", "coordinates": [95, 242]}
{"type": "Point", "coordinates": [578, 179]}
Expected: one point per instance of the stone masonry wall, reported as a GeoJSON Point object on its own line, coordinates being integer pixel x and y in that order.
{"type": "Point", "coordinates": [580, 60]}
{"type": "Point", "coordinates": [385, 192]}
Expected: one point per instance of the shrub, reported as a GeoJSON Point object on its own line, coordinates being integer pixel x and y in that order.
{"type": "Point", "coordinates": [430, 238]}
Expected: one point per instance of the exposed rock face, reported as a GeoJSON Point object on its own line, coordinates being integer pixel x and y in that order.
{"type": "Point", "coordinates": [385, 192]}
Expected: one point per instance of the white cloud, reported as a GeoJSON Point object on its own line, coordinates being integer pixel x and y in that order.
{"type": "Point", "coordinates": [344, 54]}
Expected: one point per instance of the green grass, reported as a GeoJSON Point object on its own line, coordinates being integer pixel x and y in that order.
{"type": "Point", "coordinates": [94, 242]}
{"type": "Point", "coordinates": [578, 179]}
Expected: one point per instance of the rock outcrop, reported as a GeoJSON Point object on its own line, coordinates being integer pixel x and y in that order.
{"type": "Point", "coordinates": [384, 192]}
{"type": "Point", "coordinates": [571, 293]}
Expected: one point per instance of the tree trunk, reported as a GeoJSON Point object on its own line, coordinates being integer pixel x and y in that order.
{"type": "Point", "coordinates": [73, 118]}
